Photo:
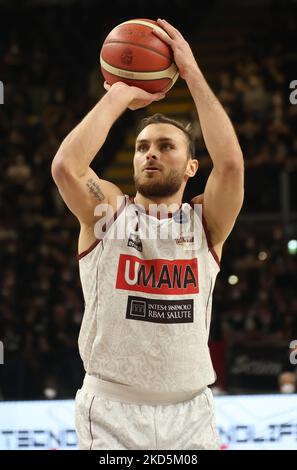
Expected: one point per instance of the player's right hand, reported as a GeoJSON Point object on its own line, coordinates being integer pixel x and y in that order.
{"type": "Point", "coordinates": [140, 98]}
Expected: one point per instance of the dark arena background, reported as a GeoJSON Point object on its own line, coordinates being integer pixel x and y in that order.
{"type": "Point", "coordinates": [50, 78]}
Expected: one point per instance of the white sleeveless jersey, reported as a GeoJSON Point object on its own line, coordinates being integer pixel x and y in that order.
{"type": "Point", "coordinates": [147, 286]}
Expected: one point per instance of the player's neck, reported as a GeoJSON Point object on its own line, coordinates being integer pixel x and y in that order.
{"type": "Point", "coordinates": [149, 203]}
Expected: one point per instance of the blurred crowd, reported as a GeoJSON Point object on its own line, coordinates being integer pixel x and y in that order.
{"type": "Point", "coordinates": [260, 302]}
{"type": "Point", "coordinates": [255, 91]}
{"type": "Point", "coordinates": [49, 87]}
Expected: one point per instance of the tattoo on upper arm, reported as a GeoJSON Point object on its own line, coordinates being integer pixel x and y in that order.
{"type": "Point", "coordinates": [94, 189]}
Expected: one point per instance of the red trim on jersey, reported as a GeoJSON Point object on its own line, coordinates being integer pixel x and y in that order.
{"type": "Point", "coordinates": [105, 229]}
{"type": "Point", "coordinates": [90, 422]}
{"type": "Point", "coordinates": [208, 237]}
{"type": "Point", "coordinates": [88, 250]}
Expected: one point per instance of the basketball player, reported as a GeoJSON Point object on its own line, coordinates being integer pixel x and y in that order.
{"type": "Point", "coordinates": [144, 334]}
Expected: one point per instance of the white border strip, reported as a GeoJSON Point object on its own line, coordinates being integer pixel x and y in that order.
{"type": "Point", "coordinates": [170, 72]}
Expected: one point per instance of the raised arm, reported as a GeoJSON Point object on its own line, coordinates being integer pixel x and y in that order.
{"type": "Point", "coordinates": [223, 195]}
{"type": "Point", "coordinates": [79, 186]}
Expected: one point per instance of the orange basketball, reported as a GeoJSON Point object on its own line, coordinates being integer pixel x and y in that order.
{"type": "Point", "coordinates": [131, 53]}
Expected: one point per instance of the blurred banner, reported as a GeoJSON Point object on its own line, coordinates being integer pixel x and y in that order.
{"type": "Point", "coordinates": [254, 367]}
{"type": "Point", "coordinates": [259, 422]}
{"type": "Point", "coordinates": [244, 422]}
{"type": "Point", "coordinates": [37, 425]}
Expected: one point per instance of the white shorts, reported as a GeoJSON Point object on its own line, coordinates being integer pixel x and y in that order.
{"type": "Point", "coordinates": [107, 418]}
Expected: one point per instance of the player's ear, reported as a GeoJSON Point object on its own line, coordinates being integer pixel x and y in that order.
{"type": "Point", "coordinates": [192, 167]}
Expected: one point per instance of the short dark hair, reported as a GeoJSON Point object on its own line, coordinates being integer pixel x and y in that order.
{"type": "Point", "coordinates": [161, 118]}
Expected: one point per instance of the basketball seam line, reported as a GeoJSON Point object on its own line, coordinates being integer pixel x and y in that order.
{"type": "Point", "coordinates": [138, 45]}
{"type": "Point", "coordinates": [145, 23]}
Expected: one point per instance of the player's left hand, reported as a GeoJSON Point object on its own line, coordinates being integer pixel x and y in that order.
{"type": "Point", "coordinates": [183, 55]}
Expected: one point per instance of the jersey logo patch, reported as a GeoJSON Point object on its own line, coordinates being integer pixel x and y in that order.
{"type": "Point", "coordinates": [134, 241]}
{"type": "Point", "coordinates": [187, 242]}
{"type": "Point", "coordinates": [158, 276]}
{"type": "Point", "coordinates": [159, 310]}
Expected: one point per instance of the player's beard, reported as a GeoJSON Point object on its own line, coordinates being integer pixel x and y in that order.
{"type": "Point", "coordinates": [159, 185]}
